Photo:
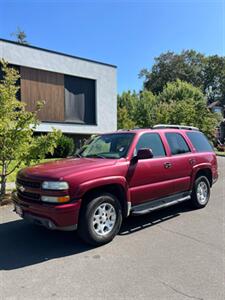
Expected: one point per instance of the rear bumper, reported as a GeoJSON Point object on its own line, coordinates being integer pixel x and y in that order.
{"type": "Point", "coordinates": [62, 217]}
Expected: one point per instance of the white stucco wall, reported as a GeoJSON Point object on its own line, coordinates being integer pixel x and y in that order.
{"type": "Point", "coordinates": [105, 76]}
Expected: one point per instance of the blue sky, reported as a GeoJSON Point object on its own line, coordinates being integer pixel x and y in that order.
{"type": "Point", "coordinates": [128, 34]}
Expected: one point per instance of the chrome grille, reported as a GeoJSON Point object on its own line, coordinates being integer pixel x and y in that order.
{"type": "Point", "coordinates": [24, 189]}
{"type": "Point", "coordinates": [28, 196]}
{"type": "Point", "coordinates": [27, 183]}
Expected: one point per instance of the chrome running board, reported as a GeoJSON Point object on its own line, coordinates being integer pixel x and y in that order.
{"type": "Point", "coordinates": [150, 206]}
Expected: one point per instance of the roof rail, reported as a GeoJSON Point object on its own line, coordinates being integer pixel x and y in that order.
{"type": "Point", "coordinates": [141, 128]}
{"type": "Point", "coordinates": [163, 126]}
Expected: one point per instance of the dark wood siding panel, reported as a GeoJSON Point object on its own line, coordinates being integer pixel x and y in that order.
{"type": "Point", "coordinates": [39, 85]}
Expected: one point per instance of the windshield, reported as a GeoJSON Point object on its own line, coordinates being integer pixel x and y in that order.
{"type": "Point", "coordinates": [107, 146]}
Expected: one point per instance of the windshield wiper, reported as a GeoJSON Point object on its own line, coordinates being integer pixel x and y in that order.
{"type": "Point", "coordinates": [96, 155]}
{"type": "Point", "coordinates": [100, 156]}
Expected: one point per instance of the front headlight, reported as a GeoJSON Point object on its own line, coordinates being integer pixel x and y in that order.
{"type": "Point", "coordinates": [55, 185]}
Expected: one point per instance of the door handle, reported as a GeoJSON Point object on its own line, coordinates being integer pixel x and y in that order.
{"type": "Point", "coordinates": [167, 165]}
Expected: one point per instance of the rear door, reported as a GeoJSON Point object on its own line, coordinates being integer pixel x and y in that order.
{"type": "Point", "coordinates": [181, 160]}
{"type": "Point", "coordinates": [148, 178]}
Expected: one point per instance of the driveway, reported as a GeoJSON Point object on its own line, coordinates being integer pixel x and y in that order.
{"type": "Point", "coordinates": [170, 254]}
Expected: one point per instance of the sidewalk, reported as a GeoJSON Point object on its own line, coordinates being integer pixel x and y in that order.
{"type": "Point", "coordinates": [10, 185]}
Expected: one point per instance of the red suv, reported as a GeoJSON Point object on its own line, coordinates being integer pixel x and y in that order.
{"type": "Point", "coordinates": [115, 175]}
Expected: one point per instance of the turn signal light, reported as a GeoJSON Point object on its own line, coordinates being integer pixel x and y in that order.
{"type": "Point", "coordinates": [63, 199]}
{"type": "Point", "coordinates": [55, 199]}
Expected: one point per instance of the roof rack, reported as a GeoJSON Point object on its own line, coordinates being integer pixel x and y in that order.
{"type": "Point", "coordinates": [163, 126]}
{"type": "Point", "coordinates": [141, 128]}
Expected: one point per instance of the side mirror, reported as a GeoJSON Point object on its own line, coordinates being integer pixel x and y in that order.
{"type": "Point", "coordinates": [144, 153]}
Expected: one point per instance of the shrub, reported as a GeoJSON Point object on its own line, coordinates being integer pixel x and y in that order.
{"type": "Point", "coordinates": [65, 147]}
{"type": "Point", "coordinates": [17, 128]}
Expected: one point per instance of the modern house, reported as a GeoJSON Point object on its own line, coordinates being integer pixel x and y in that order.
{"type": "Point", "coordinates": [80, 94]}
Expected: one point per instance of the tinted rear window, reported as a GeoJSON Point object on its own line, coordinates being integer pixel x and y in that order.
{"type": "Point", "coordinates": [199, 141]}
{"type": "Point", "coordinates": [177, 143]}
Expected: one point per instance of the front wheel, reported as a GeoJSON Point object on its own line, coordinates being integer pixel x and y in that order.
{"type": "Point", "coordinates": [100, 219]}
{"type": "Point", "coordinates": [201, 192]}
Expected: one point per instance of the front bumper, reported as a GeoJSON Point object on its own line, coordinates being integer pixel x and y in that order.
{"type": "Point", "coordinates": [60, 216]}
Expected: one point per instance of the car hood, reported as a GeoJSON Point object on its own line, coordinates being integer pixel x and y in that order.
{"type": "Point", "coordinates": [58, 169]}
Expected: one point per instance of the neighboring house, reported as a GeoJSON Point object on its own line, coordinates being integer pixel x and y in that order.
{"type": "Point", "coordinates": [80, 94]}
{"type": "Point", "coordinates": [220, 109]}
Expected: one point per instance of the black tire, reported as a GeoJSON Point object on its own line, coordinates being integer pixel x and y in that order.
{"type": "Point", "coordinates": [196, 201]}
{"type": "Point", "coordinates": [87, 230]}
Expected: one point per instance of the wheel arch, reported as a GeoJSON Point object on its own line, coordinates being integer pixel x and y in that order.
{"type": "Point", "coordinates": [207, 172]}
{"type": "Point", "coordinates": [116, 189]}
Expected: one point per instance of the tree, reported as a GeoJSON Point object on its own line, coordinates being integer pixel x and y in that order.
{"type": "Point", "coordinates": [126, 110]}
{"type": "Point", "coordinates": [20, 36]}
{"type": "Point", "coordinates": [168, 67]}
{"type": "Point", "coordinates": [178, 103]}
{"type": "Point", "coordinates": [135, 110]}
{"type": "Point", "coordinates": [145, 109]}
{"type": "Point", "coordinates": [187, 112]}
{"type": "Point", "coordinates": [181, 103]}
{"type": "Point", "coordinates": [204, 72]}
{"type": "Point", "coordinates": [180, 90]}
{"type": "Point", "coordinates": [214, 78]}
{"type": "Point", "coordinates": [17, 141]}
{"type": "Point", "coordinates": [123, 119]}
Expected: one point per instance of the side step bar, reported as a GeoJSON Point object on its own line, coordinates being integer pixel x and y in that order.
{"type": "Point", "coordinates": [158, 204]}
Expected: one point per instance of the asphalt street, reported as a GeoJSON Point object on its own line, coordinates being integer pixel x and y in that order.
{"type": "Point", "coordinates": [176, 253]}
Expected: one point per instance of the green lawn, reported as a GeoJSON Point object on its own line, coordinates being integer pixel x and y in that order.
{"type": "Point", "coordinates": [220, 153]}
{"type": "Point", "coordinates": [12, 177]}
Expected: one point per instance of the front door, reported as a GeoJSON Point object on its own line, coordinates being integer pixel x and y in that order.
{"type": "Point", "coordinates": [149, 179]}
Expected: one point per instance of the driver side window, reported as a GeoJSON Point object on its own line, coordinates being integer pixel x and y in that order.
{"type": "Point", "coordinates": [151, 141]}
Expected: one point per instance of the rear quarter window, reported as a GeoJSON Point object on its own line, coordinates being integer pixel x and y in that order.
{"type": "Point", "coordinates": [199, 141]}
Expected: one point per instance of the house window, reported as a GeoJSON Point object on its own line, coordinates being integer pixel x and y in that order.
{"type": "Point", "coordinates": [80, 106]}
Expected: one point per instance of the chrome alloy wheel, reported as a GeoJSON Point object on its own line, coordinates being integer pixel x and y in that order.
{"type": "Point", "coordinates": [104, 219]}
{"type": "Point", "coordinates": [202, 192]}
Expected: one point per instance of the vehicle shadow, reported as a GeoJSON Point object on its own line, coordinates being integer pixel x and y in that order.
{"type": "Point", "coordinates": [24, 244]}
{"type": "Point", "coordinates": [134, 224]}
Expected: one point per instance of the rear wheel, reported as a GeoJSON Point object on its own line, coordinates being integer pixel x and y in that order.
{"type": "Point", "coordinates": [201, 192]}
{"type": "Point", "coordinates": [100, 219]}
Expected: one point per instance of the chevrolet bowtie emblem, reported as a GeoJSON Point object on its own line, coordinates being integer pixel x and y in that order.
{"type": "Point", "coordinates": [21, 188]}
